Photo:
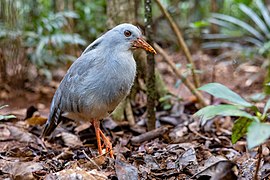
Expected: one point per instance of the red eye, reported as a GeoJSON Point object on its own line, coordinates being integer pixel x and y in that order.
{"type": "Point", "coordinates": [127, 33]}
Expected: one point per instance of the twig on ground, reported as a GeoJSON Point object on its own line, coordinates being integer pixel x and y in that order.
{"type": "Point", "coordinates": [91, 160]}
{"type": "Point", "coordinates": [129, 113]}
{"type": "Point", "coordinates": [258, 163]}
{"type": "Point", "coordinates": [198, 134]}
{"type": "Point", "coordinates": [149, 135]}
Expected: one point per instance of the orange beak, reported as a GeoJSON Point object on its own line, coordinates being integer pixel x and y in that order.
{"type": "Point", "coordinates": [141, 43]}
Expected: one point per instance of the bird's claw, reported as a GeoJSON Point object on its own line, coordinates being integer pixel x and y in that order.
{"type": "Point", "coordinates": [107, 143]}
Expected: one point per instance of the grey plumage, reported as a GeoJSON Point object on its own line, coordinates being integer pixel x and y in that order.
{"type": "Point", "coordinates": [98, 80]}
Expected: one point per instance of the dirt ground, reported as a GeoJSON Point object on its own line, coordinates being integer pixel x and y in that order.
{"type": "Point", "coordinates": [180, 148]}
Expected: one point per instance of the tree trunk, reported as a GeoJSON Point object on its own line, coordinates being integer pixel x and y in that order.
{"type": "Point", "coordinates": [120, 11]}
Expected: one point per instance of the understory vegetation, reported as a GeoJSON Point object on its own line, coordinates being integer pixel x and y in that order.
{"type": "Point", "coordinates": [210, 90]}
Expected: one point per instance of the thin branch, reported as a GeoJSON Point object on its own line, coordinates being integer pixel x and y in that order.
{"type": "Point", "coordinates": [129, 113]}
{"type": "Point", "coordinates": [149, 135]}
{"type": "Point", "coordinates": [258, 163]}
{"type": "Point", "coordinates": [91, 160]}
{"type": "Point", "coordinates": [181, 42]}
{"type": "Point", "coordinates": [177, 72]}
{"type": "Point", "coordinates": [151, 90]}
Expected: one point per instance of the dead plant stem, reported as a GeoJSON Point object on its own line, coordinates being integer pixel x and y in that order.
{"type": "Point", "coordinates": [181, 42]}
{"type": "Point", "coordinates": [258, 163]}
{"type": "Point", "coordinates": [187, 83]}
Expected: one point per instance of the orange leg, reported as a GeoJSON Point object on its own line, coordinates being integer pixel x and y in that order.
{"type": "Point", "coordinates": [95, 123]}
{"type": "Point", "coordinates": [107, 142]}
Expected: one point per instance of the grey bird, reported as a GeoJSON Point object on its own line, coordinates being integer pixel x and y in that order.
{"type": "Point", "coordinates": [98, 80]}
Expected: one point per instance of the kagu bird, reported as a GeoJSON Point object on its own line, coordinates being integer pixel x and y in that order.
{"type": "Point", "coordinates": [98, 80]}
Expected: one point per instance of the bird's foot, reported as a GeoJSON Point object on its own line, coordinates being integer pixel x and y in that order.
{"type": "Point", "coordinates": [107, 143]}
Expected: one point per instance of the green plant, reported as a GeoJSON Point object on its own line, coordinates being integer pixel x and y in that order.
{"type": "Point", "coordinates": [6, 117]}
{"type": "Point", "coordinates": [92, 18]}
{"type": "Point", "coordinates": [48, 41]}
{"type": "Point", "coordinates": [249, 33]}
{"type": "Point", "coordinates": [250, 120]}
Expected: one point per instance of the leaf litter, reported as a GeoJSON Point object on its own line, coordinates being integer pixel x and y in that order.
{"type": "Point", "coordinates": [180, 149]}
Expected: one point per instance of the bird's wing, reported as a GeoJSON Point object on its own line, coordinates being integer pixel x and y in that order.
{"type": "Point", "coordinates": [67, 96]}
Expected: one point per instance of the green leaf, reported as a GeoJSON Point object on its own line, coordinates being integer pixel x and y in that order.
{"type": "Point", "coordinates": [257, 97]}
{"type": "Point", "coordinates": [240, 128]}
{"type": "Point", "coordinates": [199, 24]}
{"type": "Point", "coordinates": [266, 107]}
{"type": "Point", "coordinates": [165, 98]}
{"type": "Point", "coordinates": [6, 117]}
{"type": "Point", "coordinates": [167, 107]}
{"type": "Point", "coordinates": [221, 91]}
{"type": "Point", "coordinates": [264, 11]}
{"type": "Point", "coordinates": [257, 134]}
{"type": "Point", "coordinates": [256, 19]}
{"type": "Point", "coordinates": [4, 106]}
{"type": "Point", "coordinates": [240, 23]}
{"type": "Point", "coordinates": [210, 112]}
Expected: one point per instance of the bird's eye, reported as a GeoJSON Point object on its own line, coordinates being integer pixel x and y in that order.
{"type": "Point", "coordinates": [127, 33]}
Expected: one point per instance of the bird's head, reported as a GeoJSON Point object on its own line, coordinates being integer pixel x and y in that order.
{"type": "Point", "coordinates": [129, 37]}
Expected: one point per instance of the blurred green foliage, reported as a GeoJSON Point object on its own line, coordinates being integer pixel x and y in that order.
{"type": "Point", "coordinates": [56, 31]}
{"type": "Point", "coordinates": [250, 120]}
{"type": "Point", "coordinates": [247, 31]}
{"type": "Point", "coordinates": [50, 33]}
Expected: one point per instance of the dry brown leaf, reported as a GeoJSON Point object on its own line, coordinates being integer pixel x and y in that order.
{"type": "Point", "coordinates": [221, 170]}
{"type": "Point", "coordinates": [76, 174]}
{"type": "Point", "coordinates": [21, 170]}
{"type": "Point", "coordinates": [71, 139]}
{"type": "Point", "coordinates": [177, 133]}
{"type": "Point", "coordinates": [82, 127]}
{"type": "Point", "coordinates": [36, 120]}
{"type": "Point", "coordinates": [19, 134]}
{"type": "Point", "coordinates": [4, 133]}
{"type": "Point", "coordinates": [188, 157]}
{"type": "Point", "coordinates": [100, 160]}
{"type": "Point", "coordinates": [125, 171]}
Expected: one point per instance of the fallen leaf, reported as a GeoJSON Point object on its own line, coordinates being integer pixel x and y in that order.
{"type": "Point", "coordinates": [187, 157]}
{"type": "Point", "coordinates": [222, 170]}
{"type": "Point", "coordinates": [76, 174]}
{"type": "Point", "coordinates": [15, 133]}
{"type": "Point", "coordinates": [125, 171]}
{"type": "Point", "coordinates": [21, 170]}
{"type": "Point", "coordinates": [36, 120]}
{"type": "Point", "coordinates": [71, 140]}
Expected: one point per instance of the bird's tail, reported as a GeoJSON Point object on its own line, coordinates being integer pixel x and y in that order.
{"type": "Point", "coordinates": [54, 117]}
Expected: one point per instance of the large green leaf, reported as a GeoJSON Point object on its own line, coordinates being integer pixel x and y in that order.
{"type": "Point", "coordinates": [221, 91]}
{"type": "Point", "coordinates": [240, 128]}
{"type": "Point", "coordinates": [210, 112]}
{"type": "Point", "coordinates": [240, 23]}
{"type": "Point", "coordinates": [257, 134]}
{"type": "Point", "coordinates": [264, 11]}
{"type": "Point", "coordinates": [221, 44]}
{"type": "Point", "coordinates": [257, 20]}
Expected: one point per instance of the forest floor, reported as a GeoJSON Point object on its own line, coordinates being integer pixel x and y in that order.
{"type": "Point", "coordinates": [180, 148]}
